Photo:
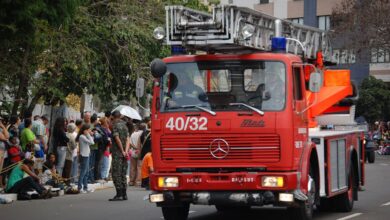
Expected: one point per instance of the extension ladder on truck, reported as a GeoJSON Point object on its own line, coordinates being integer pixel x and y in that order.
{"type": "Point", "coordinates": [236, 29]}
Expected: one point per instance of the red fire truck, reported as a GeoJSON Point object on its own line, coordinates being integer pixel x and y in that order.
{"type": "Point", "coordinates": [254, 118]}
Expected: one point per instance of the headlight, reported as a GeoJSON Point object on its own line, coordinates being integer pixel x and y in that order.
{"type": "Point", "coordinates": [168, 182]}
{"type": "Point", "coordinates": [159, 33]}
{"type": "Point", "coordinates": [272, 181]}
{"type": "Point", "coordinates": [247, 31]}
{"type": "Point", "coordinates": [156, 198]}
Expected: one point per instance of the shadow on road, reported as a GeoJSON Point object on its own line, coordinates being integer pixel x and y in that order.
{"type": "Point", "coordinates": [253, 214]}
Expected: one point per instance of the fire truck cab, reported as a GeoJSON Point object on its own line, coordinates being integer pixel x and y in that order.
{"type": "Point", "coordinates": [239, 125]}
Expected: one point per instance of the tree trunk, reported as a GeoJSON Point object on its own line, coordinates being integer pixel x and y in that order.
{"type": "Point", "coordinates": [34, 101]}
{"type": "Point", "coordinates": [21, 95]}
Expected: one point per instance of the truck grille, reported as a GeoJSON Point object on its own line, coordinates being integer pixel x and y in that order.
{"type": "Point", "coordinates": [260, 148]}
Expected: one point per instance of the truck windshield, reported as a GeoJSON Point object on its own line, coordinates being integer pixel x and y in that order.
{"type": "Point", "coordinates": [216, 85]}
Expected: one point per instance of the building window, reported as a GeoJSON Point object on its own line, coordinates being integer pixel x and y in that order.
{"type": "Point", "coordinates": [297, 20]}
{"type": "Point", "coordinates": [324, 22]}
{"type": "Point", "coordinates": [264, 1]}
{"type": "Point", "coordinates": [380, 56]}
{"type": "Point", "coordinates": [343, 56]}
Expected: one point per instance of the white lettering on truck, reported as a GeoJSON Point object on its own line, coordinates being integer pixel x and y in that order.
{"type": "Point", "coordinates": [189, 123]}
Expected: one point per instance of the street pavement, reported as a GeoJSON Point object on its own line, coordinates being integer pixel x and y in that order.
{"type": "Point", "coordinates": [374, 203]}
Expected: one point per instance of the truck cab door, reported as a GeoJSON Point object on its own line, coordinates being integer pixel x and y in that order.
{"type": "Point", "coordinates": [299, 108]}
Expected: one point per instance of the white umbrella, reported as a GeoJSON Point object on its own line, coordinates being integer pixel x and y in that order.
{"type": "Point", "coordinates": [128, 111]}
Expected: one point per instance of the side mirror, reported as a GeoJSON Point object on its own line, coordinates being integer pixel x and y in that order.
{"type": "Point", "coordinates": [140, 87]}
{"type": "Point", "coordinates": [315, 82]}
{"type": "Point", "coordinates": [158, 68]}
{"type": "Point", "coordinates": [266, 95]}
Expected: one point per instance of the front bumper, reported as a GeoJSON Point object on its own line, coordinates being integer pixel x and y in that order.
{"type": "Point", "coordinates": [224, 198]}
{"type": "Point", "coordinates": [236, 188]}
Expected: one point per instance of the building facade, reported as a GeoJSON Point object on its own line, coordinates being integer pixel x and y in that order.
{"type": "Point", "coordinates": [377, 65]}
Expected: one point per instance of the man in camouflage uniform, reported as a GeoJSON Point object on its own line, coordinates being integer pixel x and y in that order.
{"type": "Point", "coordinates": [120, 145]}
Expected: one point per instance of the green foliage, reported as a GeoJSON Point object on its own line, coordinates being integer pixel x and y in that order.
{"type": "Point", "coordinates": [57, 48]}
{"type": "Point", "coordinates": [23, 39]}
{"type": "Point", "coordinates": [374, 100]}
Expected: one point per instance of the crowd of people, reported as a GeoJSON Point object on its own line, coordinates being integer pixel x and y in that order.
{"type": "Point", "coordinates": [380, 132]}
{"type": "Point", "coordinates": [87, 150]}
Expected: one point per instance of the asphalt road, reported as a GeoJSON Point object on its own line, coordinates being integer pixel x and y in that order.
{"type": "Point", "coordinates": [374, 203]}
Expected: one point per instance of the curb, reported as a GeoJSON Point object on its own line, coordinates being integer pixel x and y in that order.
{"type": "Point", "coordinates": [7, 198]}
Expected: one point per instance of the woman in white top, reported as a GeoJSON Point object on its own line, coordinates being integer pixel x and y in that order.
{"type": "Point", "coordinates": [85, 140]}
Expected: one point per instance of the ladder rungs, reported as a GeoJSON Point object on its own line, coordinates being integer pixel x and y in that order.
{"type": "Point", "coordinates": [221, 31]}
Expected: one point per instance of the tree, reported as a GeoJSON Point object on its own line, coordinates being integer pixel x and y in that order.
{"type": "Point", "coordinates": [74, 47]}
{"type": "Point", "coordinates": [362, 25]}
{"type": "Point", "coordinates": [108, 46]}
{"type": "Point", "coordinates": [374, 100]}
{"type": "Point", "coordinates": [103, 50]}
{"type": "Point", "coordinates": [21, 42]}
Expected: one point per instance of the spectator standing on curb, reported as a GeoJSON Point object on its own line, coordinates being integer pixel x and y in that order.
{"type": "Point", "coordinates": [101, 139]}
{"type": "Point", "coordinates": [135, 150]}
{"type": "Point", "coordinates": [75, 156]}
{"type": "Point", "coordinates": [79, 124]}
{"type": "Point", "coordinates": [4, 135]}
{"type": "Point", "coordinates": [71, 134]}
{"type": "Point", "coordinates": [87, 118]}
{"type": "Point", "coordinates": [13, 128]}
{"type": "Point", "coordinates": [27, 136]}
{"type": "Point", "coordinates": [60, 143]}
{"type": "Point", "coordinates": [104, 146]}
{"type": "Point", "coordinates": [39, 129]}
{"type": "Point", "coordinates": [121, 143]}
{"type": "Point", "coordinates": [145, 139]}
{"type": "Point", "coordinates": [93, 157]}
{"type": "Point", "coordinates": [85, 141]}
{"type": "Point", "coordinates": [27, 115]}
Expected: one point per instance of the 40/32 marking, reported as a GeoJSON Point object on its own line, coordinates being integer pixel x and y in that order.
{"type": "Point", "coordinates": [188, 123]}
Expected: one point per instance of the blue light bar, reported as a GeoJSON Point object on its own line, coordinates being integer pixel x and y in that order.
{"type": "Point", "coordinates": [178, 50]}
{"type": "Point", "coordinates": [279, 44]}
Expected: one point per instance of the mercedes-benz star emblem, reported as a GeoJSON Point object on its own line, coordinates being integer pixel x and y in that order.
{"type": "Point", "coordinates": [219, 148]}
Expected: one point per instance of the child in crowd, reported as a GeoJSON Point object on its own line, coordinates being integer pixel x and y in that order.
{"type": "Point", "coordinates": [146, 170]}
{"type": "Point", "coordinates": [14, 151]}
{"type": "Point", "coordinates": [30, 151]}
{"type": "Point", "coordinates": [49, 176]}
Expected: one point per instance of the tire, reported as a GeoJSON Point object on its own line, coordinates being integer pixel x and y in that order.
{"type": "Point", "coordinates": [222, 208]}
{"type": "Point", "coordinates": [345, 201]}
{"type": "Point", "coordinates": [324, 205]}
{"type": "Point", "coordinates": [176, 213]}
{"type": "Point", "coordinates": [304, 211]}
{"type": "Point", "coordinates": [371, 157]}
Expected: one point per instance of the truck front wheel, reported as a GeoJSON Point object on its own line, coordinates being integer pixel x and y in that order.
{"type": "Point", "coordinates": [176, 213]}
{"type": "Point", "coordinates": [304, 211]}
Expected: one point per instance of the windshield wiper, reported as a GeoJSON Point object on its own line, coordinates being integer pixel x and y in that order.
{"type": "Point", "coordinates": [248, 106]}
{"type": "Point", "coordinates": [201, 108]}
{"type": "Point", "coordinates": [194, 106]}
